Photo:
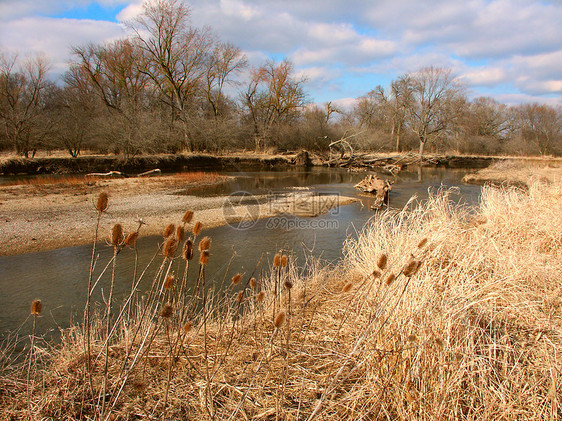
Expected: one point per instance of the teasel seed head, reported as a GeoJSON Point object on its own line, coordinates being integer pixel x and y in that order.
{"type": "Point", "coordinates": [347, 287]}
{"type": "Point", "coordinates": [187, 327]}
{"type": "Point", "coordinates": [240, 297]}
{"type": "Point", "coordinates": [170, 247]}
{"type": "Point", "coordinates": [167, 311]}
{"type": "Point", "coordinates": [197, 228]}
{"type": "Point", "coordinates": [204, 258]}
{"type": "Point", "coordinates": [390, 279]}
{"type": "Point", "coordinates": [411, 268]}
{"type": "Point", "coordinates": [180, 233]}
{"type": "Point", "coordinates": [187, 251]}
{"type": "Point", "coordinates": [205, 244]}
{"type": "Point", "coordinates": [236, 279]}
{"type": "Point", "coordinates": [36, 307]}
{"type": "Point", "coordinates": [279, 320]}
{"type": "Point", "coordinates": [277, 260]}
{"type": "Point", "coordinates": [422, 243]}
{"type": "Point", "coordinates": [288, 284]}
{"type": "Point", "coordinates": [284, 260]}
{"type": "Point", "coordinates": [381, 263]}
{"type": "Point", "coordinates": [131, 238]}
{"type": "Point", "coordinates": [260, 297]}
{"type": "Point", "coordinates": [102, 203]}
{"type": "Point", "coordinates": [187, 217]}
{"type": "Point", "coordinates": [169, 282]}
{"type": "Point", "coordinates": [170, 229]}
{"type": "Point", "coordinates": [253, 283]}
{"type": "Point", "coordinates": [117, 237]}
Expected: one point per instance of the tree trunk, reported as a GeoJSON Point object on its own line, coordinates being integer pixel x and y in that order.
{"type": "Point", "coordinates": [398, 138]}
{"type": "Point", "coordinates": [422, 145]}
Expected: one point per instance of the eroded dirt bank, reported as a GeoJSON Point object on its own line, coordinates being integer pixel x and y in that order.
{"type": "Point", "coordinates": [136, 165]}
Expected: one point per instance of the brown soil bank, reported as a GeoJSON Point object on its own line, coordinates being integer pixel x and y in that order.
{"type": "Point", "coordinates": [166, 163]}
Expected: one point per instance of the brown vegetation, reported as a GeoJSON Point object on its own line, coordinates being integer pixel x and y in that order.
{"type": "Point", "coordinates": [436, 312]}
{"type": "Point", "coordinates": [517, 173]}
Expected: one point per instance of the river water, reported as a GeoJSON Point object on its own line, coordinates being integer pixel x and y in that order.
{"type": "Point", "coordinates": [59, 277]}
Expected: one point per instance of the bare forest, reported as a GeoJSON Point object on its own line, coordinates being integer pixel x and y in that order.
{"type": "Point", "coordinates": [172, 87]}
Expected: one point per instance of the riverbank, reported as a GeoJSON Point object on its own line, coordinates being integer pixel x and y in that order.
{"type": "Point", "coordinates": [59, 163]}
{"type": "Point", "coordinates": [436, 312]}
{"type": "Point", "coordinates": [517, 173]}
{"type": "Point", "coordinates": [37, 217]}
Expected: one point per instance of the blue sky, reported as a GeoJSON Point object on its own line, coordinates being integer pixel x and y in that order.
{"type": "Point", "coordinates": [510, 50]}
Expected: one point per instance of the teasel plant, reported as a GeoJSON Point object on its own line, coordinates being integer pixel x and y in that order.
{"type": "Point", "coordinates": [278, 322]}
{"type": "Point", "coordinates": [117, 240]}
{"type": "Point", "coordinates": [35, 312]}
{"type": "Point", "coordinates": [277, 280]}
{"type": "Point", "coordinates": [101, 206]}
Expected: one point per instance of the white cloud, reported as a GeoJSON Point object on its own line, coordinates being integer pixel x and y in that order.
{"type": "Point", "coordinates": [489, 43]}
{"type": "Point", "coordinates": [518, 98]}
{"type": "Point", "coordinates": [131, 11]}
{"type": "Point", "coordinates": [54, 37]}
{"type": "Point", "coordinates": [485, 76]}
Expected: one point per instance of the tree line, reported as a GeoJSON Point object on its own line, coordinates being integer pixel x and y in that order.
{"type": "Point", "coordinates": [171, 87]}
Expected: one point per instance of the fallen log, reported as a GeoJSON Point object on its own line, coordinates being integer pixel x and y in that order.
{"type": "Point", "coordinates": [376, 186]}
{"type": "Point", "coordinates": [106, 174]}
{"type": "Point", "coordinates": [155, 171]}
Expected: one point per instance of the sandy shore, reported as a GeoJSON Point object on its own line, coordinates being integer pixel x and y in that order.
{"type": "Point", "coordinates": [45, 217]}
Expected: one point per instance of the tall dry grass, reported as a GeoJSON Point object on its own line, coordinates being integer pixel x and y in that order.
{"type": "Point", "coordinates": [460, 320]}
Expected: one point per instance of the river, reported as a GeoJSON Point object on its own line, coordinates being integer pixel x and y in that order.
{"type": "Point", "coordinates": [59, 277]}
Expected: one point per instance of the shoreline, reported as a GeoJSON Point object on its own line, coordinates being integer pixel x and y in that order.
{"type": "Point", "coordinates": [57, 164]}
{"type": "Point", "coordinates": [40, 218]}
{"type": "Point", "coordinates": [516, 173]}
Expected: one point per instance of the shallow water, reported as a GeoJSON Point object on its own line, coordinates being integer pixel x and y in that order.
{"type": "Point", "coordinates": [59, 277]}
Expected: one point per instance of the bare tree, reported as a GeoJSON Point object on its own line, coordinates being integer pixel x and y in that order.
{"type": "Point", "coordinates": [21, 102]}
{"type": "Point", "coordinates": [541, 125]}
{"type": "Point", "coordinates": [113, 73]}
{"type": "Point", "coordinates": [432, 110]}
{"type": "Point", "coordinates": [225, 62]}
{"type": "Point", "coordinates": [178, 55]}
{"type": "Point", "coordinates": [274, 95]}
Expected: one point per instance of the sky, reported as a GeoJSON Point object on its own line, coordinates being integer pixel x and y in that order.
{"type": "Point", "coordinates": [510, 50]}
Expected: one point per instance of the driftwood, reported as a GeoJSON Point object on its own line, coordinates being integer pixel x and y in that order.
{"type": "Point", "coordinates": [106, 174]}
{"type": "Point", "coordinates": [342, 145]}
{"type": "Point", "coordinates": [391, 164]}
{"type": "Point", "coordinates": [374, 185]}
{"type": "Point", "coordinates": [156, 171]}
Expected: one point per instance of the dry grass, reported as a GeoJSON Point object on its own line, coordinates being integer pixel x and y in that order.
{"type": "Point", "coordinates": [74, 180]}
{"type": "Point", "coordinates": [473, 334]}
{"type": "Point", "coordinates": [50, 180]}
{"type": "Point", "coordinates": [518, 172]}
